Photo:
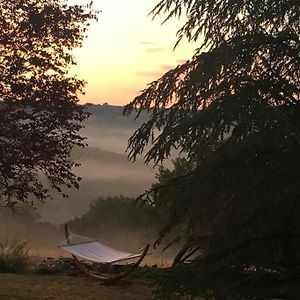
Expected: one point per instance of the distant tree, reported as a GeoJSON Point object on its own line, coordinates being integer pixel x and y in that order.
{"type": "Point", "coordinates": [118, 215]}
{"type": "Point", "coordinates": [234, 109]}
{"type": "Point", "coordinates": [39, 115]}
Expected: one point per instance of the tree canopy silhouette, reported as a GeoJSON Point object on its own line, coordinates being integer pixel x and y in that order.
{"type": "Point", "coordinates": [39, 115]}
{"type": "Point", "coordinates": [233, 109]}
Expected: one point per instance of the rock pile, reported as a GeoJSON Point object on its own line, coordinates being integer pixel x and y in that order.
{"type": "Point", "coordinates": [64, 265]}
{"type": "Point", "coordinates": [52, 265]}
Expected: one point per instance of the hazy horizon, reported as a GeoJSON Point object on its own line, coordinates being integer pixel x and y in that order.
{"type": "Point", "coordinates": [105, 169]}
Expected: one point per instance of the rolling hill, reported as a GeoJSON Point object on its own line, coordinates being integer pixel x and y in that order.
{"type": "Point", "coordinates": [105, 169]}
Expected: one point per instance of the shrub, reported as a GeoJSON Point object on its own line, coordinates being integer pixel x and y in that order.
{"type": "Point", "coordinates": [14, 256]}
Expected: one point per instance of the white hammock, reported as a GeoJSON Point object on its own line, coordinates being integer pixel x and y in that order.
{"type": "Point", "coordinates": [95, 251]}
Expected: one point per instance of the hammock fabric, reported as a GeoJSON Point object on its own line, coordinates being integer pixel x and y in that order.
{"type": "Point", "coordinates": [98, 252]}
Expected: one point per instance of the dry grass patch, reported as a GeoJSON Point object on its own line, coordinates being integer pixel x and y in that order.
{"type": "Point", "coordinates": [61, 287]}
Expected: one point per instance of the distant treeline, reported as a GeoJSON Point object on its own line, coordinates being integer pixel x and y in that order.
{"type": "Point", "coordinates": [104, 156]}
{"type": "Point", "coordinates": [119, 220]}
{"type": "Point", "coordinates": [112, 116]}
{"type": "Point", "coordinates": [23, 223]}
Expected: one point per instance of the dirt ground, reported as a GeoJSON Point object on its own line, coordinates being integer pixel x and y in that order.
{"type": "Point", "coordinates": [62, 287]}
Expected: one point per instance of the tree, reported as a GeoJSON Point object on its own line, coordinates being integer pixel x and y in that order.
{"type": "Point", "coordinates": [234, 110]}
{"type": "Point", "coordinates": [119, 220]}
{"type": "Point", "coordinates": [39, 115]}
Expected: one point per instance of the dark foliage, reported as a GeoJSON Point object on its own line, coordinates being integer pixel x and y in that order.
{"type": "Point", "coordinates": [39, 115]}
{"type": "Point", "coordinates": [234, 110]}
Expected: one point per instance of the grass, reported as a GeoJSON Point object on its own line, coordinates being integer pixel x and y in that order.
{"type": "Point", "coordinates": [18, 283]}
{"type": "Point", "coordinates": [61, 287]}
{"type": "Point", "coordinates": [14, 256]}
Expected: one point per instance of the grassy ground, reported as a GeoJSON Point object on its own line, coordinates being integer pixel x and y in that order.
{"type": "Point", "coordinates": [61, 287]}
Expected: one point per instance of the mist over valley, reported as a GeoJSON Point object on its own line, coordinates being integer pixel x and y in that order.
{"type": "Point", "coordinates": [105, 169]}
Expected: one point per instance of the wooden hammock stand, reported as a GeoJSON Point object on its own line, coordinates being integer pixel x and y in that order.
{"type": "Point", "coordinates": [108, 279]}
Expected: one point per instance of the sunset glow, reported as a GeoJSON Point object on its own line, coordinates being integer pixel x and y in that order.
{"type": "Point", "coordinates": [125, 50]}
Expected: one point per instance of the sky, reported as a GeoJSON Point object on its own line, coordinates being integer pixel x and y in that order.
{"type": "Point", "coordinates": [125, 50]}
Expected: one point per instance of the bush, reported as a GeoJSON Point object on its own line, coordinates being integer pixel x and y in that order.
{"type": "Point", "coordinates": [14, 256]}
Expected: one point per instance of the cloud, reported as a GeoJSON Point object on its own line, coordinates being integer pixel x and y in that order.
{"type": "Point", "coordinates": [156, 74]}
{"type": "Point", "coordinates": [155, 50]}
{"type": "Point", "coordinates": [152, 74]}
{"type": "Point", "coordinates": [146, 43]}
{"type": "Point", "coordinates": [150, 47]}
